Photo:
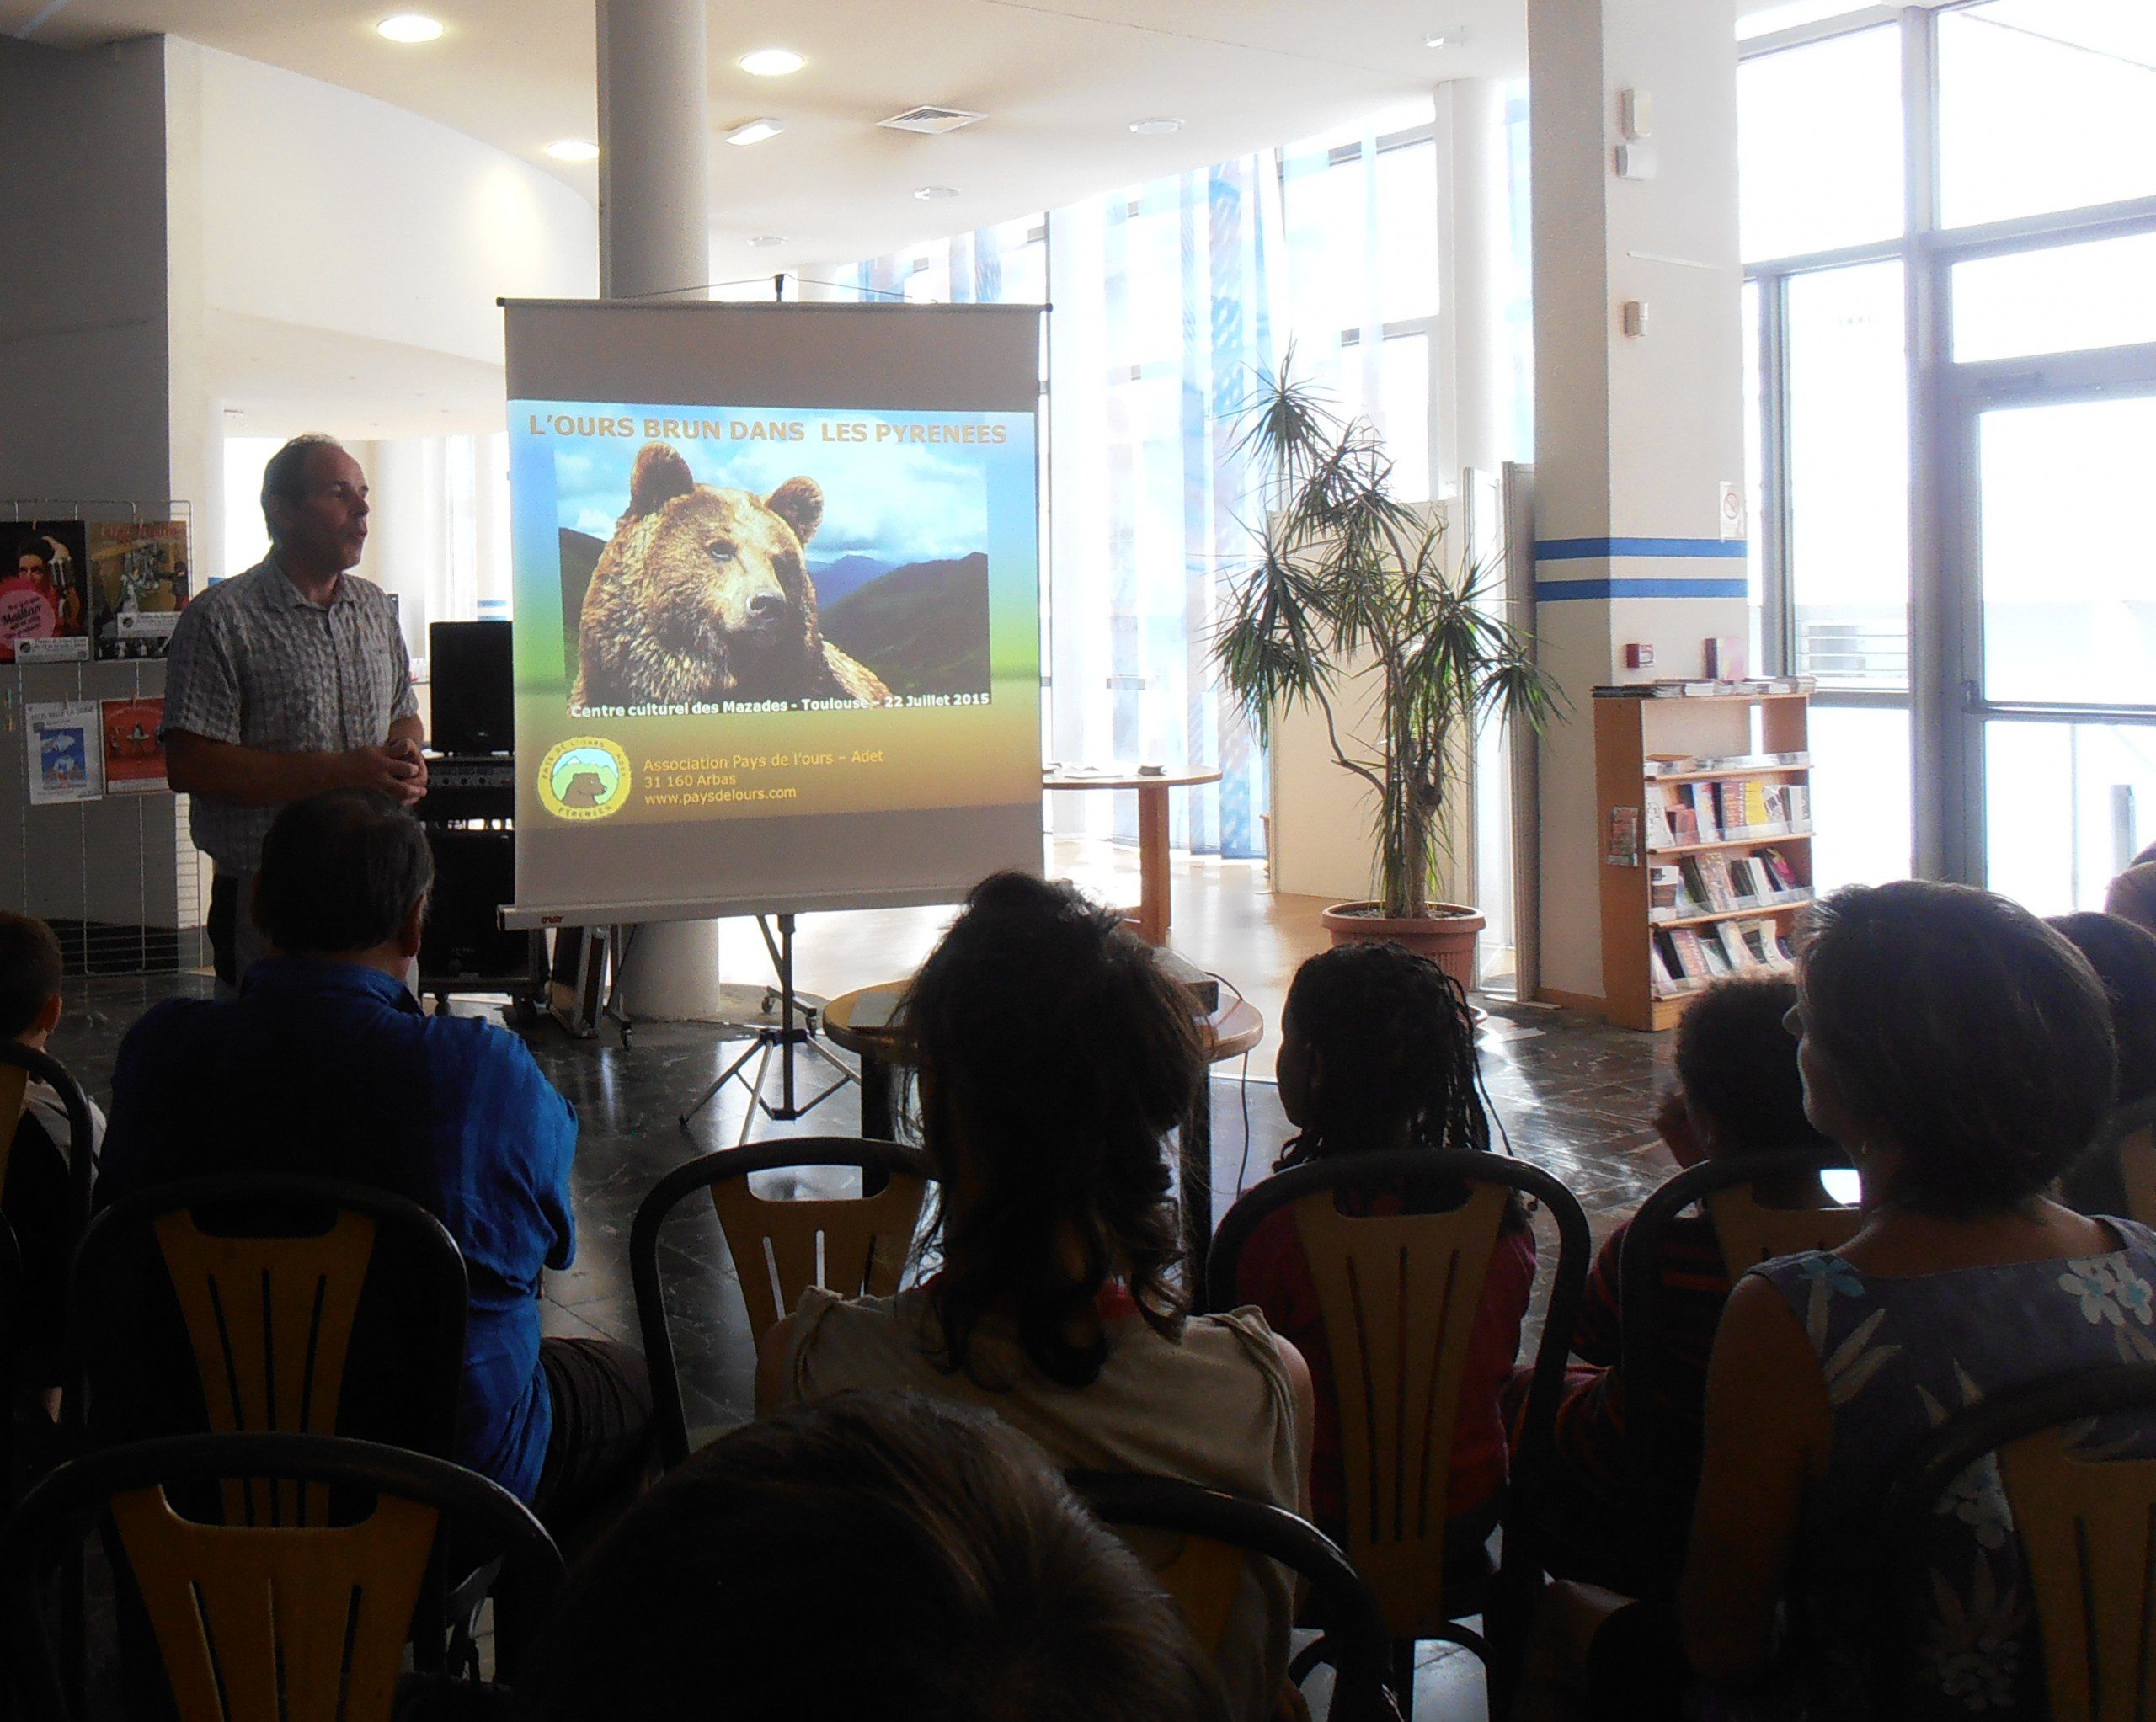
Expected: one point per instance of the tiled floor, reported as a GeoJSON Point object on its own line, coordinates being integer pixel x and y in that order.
{"type": "Point", "coordinates": [1573, 1096]}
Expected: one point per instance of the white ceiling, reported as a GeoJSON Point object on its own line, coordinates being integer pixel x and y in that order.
{"type": "Point", "coordinates": [1060, 81]}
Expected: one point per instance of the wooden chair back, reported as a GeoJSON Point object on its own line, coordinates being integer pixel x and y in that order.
{"type": "Point", "coordinates": [1213, 1534]}
{"type": "Point", "coordinates": [254, 1304]}
{"type": "Point", "coordinates": [2086, 1526]}
{"type": "Point", "coordinates": [1399, 1294]}
{"type": "Point", "coordinates": [299, 1616]}
{"type": "Point", "coordinates": [1750, 1232]}
{"type": "Point", "coordinates": [14, 1080]}
{"type": "Point", "coordinates": [854, 1246]}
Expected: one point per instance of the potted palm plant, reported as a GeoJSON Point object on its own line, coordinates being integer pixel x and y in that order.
{"type": "Point", "coordinates": [1350, 580]}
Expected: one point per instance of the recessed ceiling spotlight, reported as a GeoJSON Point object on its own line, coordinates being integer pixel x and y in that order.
{"type": "Point", "coordinates": [770, 62]}
{"type": "Point", "coordinates": [410, 27]}
{"type": "Point", "coordinates": [937, 194]}
{"type": "Point", "coordinates": [1155, 128]}
{"type": "Point", "coordinates": [572, 149]}
{"type": "Point", "coordinates": [755, 130]}
{"type": "Point", "coordinates": [764, 242]}
{"type": "Point", "coordinates": [1446, 35]}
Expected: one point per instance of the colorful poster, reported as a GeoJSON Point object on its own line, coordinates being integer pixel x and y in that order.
{"type": "Point", "coordinates": [139, 585]}
{"type": "Point", "coordinates": [134, 757]}
{"type": "Point", "coordinates": [44, 576]}
{"type": "Point", "coordinates": [66, 762]}
{"type": "Point", "coordinates": [742, 612]}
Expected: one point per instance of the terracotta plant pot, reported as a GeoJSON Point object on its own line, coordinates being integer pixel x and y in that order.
{"type": "Point", "coordinates": [1446, 934]}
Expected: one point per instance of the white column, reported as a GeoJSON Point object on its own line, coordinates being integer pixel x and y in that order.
{"type": "Point", "coordinates": [1472, 251]}
{"type": "Point", "coordinates": [1634, 434]}
{"type": "Point", "coordinates": [654, 142]}
{"type": "Point", "coordinates": [655, 237]}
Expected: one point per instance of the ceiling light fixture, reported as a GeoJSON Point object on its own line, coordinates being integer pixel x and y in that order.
{"type": "Point", "coordinates": [770, 62]}
{"type": "Point", "coordinates": [572, 149]}
{"type": "Point", "coordinates": [937, 194]}
{"type": "Point", "coordinates": [754, 131]}
{"type": "Point", "coordinates": [1446, 35]}
{"type": "Point", "coordinates": [1155, 128]}
{"type": "Point", "coordinates": [764, 242]}
{"type": "Point", "coordinates": [410, 27]}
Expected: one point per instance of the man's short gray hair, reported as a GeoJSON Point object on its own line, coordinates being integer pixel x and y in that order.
{"type": "Point", "coordinates": [286, 475]}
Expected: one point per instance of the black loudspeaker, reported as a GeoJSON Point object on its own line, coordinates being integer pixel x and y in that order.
{"type": "Point", "coordinates": [475, 873]}
{"type": "Point", "coordinates": [474, 682]}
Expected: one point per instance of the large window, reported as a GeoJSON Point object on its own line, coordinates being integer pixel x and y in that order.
{"type": "Point", "coordinates": [1950, 228]}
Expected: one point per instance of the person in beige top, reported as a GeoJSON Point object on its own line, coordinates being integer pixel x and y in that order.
{"type": "Point", "coordinates": [1052, 1060]}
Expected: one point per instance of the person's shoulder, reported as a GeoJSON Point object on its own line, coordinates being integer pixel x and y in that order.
{"type": "Point", "coordinates": [222, 598]}
{"type": "Point", "coordinates": [171, 1019]}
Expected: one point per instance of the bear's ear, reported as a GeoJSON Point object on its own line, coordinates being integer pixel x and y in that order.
{"type": "Point", "coordinates": [798, 501]}
{"type": "Point", "coordinates": [661, 475]}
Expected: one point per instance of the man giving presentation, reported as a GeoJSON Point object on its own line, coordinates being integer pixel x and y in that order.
{"type": "Point", "coordinates": [287, 680]}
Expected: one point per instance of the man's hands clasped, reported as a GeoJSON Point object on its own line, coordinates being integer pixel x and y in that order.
{"type": "Point", "coordinates": [397, 768]}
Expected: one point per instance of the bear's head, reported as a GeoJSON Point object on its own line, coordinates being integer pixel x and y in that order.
{"type": "Point", "coordinates": [723, 581]}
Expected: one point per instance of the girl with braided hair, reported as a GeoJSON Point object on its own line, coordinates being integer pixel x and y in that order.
{"type": "Point", "coordinates": [1377, 1052]}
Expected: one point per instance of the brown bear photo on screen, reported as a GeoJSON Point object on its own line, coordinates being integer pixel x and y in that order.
{"type": "Point", "coordinates": [703, 594]}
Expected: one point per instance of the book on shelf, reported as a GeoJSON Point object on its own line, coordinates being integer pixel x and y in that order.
{"type": "Point", "coordinates": [1655, 812]}
{"type": "Point", "coordinates": [1691, 954]}
{"type": "Point", "coordinates": [1717, 958]}
{"type": "Point", "coordinates": [1683, 821]}
{"type": "Point", "coordinates": [1700, 798]}
{"type": "Point", "coordinates": [1662, 977]}
{"type": "Point", "coordinates": [1777, 869]}
{"type": "Point", "coordinates": [1666, 764]}
{"type": "Point", "coordinates": [1714, 874]}
{"type": "Point", "coordinates": [1730, 936]}
{"type": "Point", "coordinates": [1666, 889]}
{"type": "Point", "coordinates": [1753, 794]}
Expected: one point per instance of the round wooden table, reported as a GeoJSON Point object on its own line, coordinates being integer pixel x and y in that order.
{"type": "Point", "coordinates": [1152, 787]}
{"type": "Point", "coordinates": [1230, 1031]}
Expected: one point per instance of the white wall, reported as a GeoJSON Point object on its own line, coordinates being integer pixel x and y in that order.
{"type": "Point", "coordinates": [332, 210]}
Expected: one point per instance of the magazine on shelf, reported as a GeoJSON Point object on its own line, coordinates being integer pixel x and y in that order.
{"type": "Point", "coordinates": [1655, 812]}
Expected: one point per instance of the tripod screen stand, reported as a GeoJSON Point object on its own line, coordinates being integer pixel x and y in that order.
{"type": "Point", "coordinates": [795, 1036]}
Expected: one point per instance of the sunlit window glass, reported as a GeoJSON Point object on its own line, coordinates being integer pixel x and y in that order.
{"type": "Point", "coordinates": [1848, 476]}
{"type": "Point", "coordinates": [1819, 144]}
{"type": "Point", "coordinates": [2045, 104]}
{"type": "Point", "coordinates": [2064, 299]}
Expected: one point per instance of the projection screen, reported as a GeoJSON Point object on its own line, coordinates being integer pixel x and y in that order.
{"type": "Point", "coordinates": [776, 572]}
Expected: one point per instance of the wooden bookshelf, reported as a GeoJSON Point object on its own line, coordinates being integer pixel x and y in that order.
{"type": "Point", "coordinates": [1712, 728]}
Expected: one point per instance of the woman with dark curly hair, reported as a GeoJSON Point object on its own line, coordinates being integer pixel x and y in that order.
{"type": "Point", "coordinates": [1052, 1060]}
{"type": "Point", "coordinates": [1961, 1050]}
{"type": "Point", "coordinates": [1377, 1052]}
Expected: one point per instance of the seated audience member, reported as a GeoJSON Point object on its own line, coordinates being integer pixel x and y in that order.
{"type": "Point", "coordinates": [1377, 1052]}
{"type": "Point", "coordinates": [325, 1065]}
{"type": "Point", "coordinates": [2123, 954]}
{"type": "Point", "coordinates": [2124, 957]}
{"type": "Point", "coordinates": [2132, 895]}
{"type": "Point", "coordinates": [1962, 1051]}
{"type": "Point", "coordinates": [1054, 1059]}
{"type": "Point", "coordinates": [875, 1555]}
{"type": "Point", "coordinates": [1737, 1092]}
{"type": "Point", "coordinates": [36, 1196]}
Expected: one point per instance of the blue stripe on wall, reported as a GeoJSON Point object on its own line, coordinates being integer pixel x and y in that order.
{"type": "Point", "coordinates": [1558, 591]}
{"type": "Point", "coordinates": [1587, 549]}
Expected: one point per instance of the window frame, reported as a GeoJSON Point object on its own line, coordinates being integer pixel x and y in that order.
{"type": "Point", "coordinates": [1943, 695]}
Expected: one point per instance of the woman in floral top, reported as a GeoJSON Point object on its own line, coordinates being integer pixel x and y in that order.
{"type": "Point", "coordinates": [1962, 1051]}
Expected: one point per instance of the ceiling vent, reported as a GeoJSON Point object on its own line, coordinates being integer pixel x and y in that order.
{"type": "Point", "coordinates": [931, 121]}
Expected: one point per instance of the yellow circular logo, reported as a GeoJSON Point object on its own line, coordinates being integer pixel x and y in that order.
{"type": "Point", "coordinates": [585, 777]}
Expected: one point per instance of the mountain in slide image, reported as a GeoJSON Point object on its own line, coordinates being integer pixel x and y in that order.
{"type": "Point", "coordinates": [922, 627]}
{"type": "Point", "coordinates": [843, 576]}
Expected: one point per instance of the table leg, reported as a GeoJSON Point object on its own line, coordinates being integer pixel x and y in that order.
{"type": "Point", "coordinates": [1152, 863]}
{"type": "Point", "coordinates": [879, 1121]}
{"type": "Point", "coordinates": [1196, 1180]}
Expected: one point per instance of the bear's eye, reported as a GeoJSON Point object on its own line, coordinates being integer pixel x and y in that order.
{"type": "Point", "coordinates": [722, 552]}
